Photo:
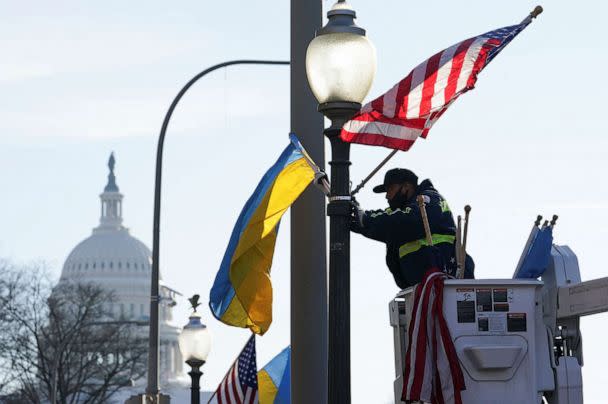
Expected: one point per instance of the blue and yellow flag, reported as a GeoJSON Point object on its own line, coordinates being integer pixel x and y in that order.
{"type": "Point", "coordinates": [275, 378]}
{"type": "Point", "coordinates": [241, 295]}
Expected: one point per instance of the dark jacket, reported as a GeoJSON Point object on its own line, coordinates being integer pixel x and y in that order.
{"type": "Point", "coordinates": [402, 230]}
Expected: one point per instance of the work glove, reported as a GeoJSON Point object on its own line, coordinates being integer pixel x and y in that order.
{"type": "Point", "coordinates": [356, 212]}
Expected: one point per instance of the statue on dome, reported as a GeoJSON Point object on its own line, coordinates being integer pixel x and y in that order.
{"type": "Point", "coordinates": [111, 162]}
{"type": "Point", "coordinates": [111, 187]}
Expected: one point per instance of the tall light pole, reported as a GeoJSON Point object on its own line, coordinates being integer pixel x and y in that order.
{"type": "Point", "coordinates": [308, 240]}
{"type": "Point", "coordinates": [152, 390]}
{"type": "Point", "coordinates": [340, 64]}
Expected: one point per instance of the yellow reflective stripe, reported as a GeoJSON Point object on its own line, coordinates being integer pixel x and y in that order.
{"type": "Point", "coordinates": [416, 245]}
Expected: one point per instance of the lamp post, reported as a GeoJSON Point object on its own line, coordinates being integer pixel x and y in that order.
{"type": "Point", "coordinates": [194, 345]}
{"type": "Point", "coordinates": [152, 391]}
{"type": "Point", "coordinates": [340, 65]}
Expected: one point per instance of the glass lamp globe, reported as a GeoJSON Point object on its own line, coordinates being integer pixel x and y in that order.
{"type": "Point", "coordinates": [195, 339]}
{"type": "Point", "coordinates": [340, 60]}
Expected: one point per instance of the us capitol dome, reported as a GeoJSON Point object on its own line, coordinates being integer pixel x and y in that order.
{"type": "Point", "coordinates": [117, 261]}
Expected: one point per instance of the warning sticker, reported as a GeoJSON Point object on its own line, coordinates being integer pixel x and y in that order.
{"type": "Point", "coordinates": [482, 324]}
{"type": "Point", "coordinates": [500, 295]}
{"type": "Point", "coordinates": [465, 294]}
{"type": "Point", "coordinates": [494, 323]}
{"type": "Point", "coordinates": [484, 299]}
{"type": "Point", "coordinates": [516, 322]}
{"type": "Point", "coordinates": [465, 305]}
{"type": "Point", "coordinates": [465, 311]}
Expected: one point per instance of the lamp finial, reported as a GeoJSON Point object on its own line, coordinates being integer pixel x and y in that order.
{"type": "Point", "coordinates": [194, 302]}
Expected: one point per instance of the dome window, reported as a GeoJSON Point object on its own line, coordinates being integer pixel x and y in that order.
{"type": "Point", "coordinates": [135, 264]}
{"type": "Point", "coordinates": [86, 265]}
{"type": "Point", "coordinates": [111, 265]}
{"type": "Point", "coordinates": [119, 265]}
{"type": "Point", "coordinates": [79, 266]}
{"type": "Point", "coordinates": [94, 265]}
{"type": "Point", "coordinates": [103, 265]}
{"type": "Point", "coordinates": [127, 265]}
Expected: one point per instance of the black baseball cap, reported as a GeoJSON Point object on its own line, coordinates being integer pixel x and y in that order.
{"type": "Point", "coordinates": [396, 176]}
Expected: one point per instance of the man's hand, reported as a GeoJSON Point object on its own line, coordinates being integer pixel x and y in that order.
{"type": "Point", "coordinates": [356, 212]}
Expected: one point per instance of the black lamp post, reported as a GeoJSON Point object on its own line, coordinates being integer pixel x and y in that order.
{"type": "Point", "coordinates": [194, 345]}
{"type": "Point", "coordinates": [340, 65]}
{"type": "Point", "coordinates": [195, 375]}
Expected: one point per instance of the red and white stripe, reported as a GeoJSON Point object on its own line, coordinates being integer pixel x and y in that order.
{"type": "Point", "coordinates": [409, 109]}
{"type": "Point", "coordinates": [230, 392]}
{"type": "Point", "coordinates": [432, 371]}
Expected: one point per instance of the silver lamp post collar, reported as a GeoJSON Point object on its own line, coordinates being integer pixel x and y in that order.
{"type": "Point", "coordinates": [341, 19]}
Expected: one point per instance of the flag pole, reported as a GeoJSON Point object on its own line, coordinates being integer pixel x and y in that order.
{"type": "Point", "coordinates": [533, 14]}
{"type": "Point", "coordinates": [463, 254]}
{"type": "Point", "coordinates": [533, 232]}
{"type": "Point", "coordinates": [553, 220]}
{"type": "Point", "coordinates": [425, 220]}
{"type": "Point", "coordinates": [458, 247]}
{"type": "Point", "coordinates": [467, 210]}
{"type": "Point", "coordinates": [537, 10]}
{"type": "Point", "coordinates": [374, 171]}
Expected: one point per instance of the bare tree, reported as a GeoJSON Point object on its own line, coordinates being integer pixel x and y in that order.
{"type": "Point", "coordinates": [64, 346]}
{"type": "Point", "coordinates": [7, 377]}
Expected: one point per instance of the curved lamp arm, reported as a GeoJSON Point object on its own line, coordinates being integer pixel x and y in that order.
{"type": "Point", "coordinates": [152, 387]}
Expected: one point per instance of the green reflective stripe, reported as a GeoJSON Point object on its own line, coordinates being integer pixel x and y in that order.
{"type": "Point", "coordinates": [416, 245]}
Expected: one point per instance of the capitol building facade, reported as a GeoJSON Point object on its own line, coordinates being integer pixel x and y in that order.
{"type": "Point", "coordinates": [115, 260]}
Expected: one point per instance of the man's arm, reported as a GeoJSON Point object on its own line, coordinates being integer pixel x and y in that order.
{"type": "Point", "coordinates": [390, 225]}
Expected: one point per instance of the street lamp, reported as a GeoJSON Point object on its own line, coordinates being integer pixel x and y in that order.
{"type": "Point", "coordinates": [194, 345]}
{"type": "Point", "coordinates": [152, 394]}
{"type": "Point", "coordinates": [340, 65]}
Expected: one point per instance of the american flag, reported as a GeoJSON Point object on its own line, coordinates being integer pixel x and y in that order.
{"type": "Point", "coordinates": [432, 370]}
{"type": "Point", "coordinates": [409, 109]}
{"type": "Point", "coordinates": [240, 385]}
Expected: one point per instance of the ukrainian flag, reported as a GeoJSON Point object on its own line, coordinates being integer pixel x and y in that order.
{"type": "Point", "coordinates": [241, 295]}
{"type": "Point", "coordinates": [274, 380]}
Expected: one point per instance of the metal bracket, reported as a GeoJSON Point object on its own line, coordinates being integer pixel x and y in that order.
{"type": "Point", "coordinates": [340, 198]}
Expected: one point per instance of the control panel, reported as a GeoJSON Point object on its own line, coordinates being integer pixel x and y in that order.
{"type": "Point", "coordinates": [499, 336]}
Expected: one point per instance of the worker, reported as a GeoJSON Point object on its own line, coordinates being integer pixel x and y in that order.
{"type": "Point", "coordinates": [401, 228]}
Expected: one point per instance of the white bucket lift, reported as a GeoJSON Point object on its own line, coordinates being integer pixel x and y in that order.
{"type": "Point", "coordinates": [517, 340]}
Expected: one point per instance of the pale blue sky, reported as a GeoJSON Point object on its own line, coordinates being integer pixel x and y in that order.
{"type": "Point", "coordinates": [80, 79]}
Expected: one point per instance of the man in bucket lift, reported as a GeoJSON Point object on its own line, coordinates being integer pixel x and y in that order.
{"type": "Point", "coordinates": [401, 227]}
